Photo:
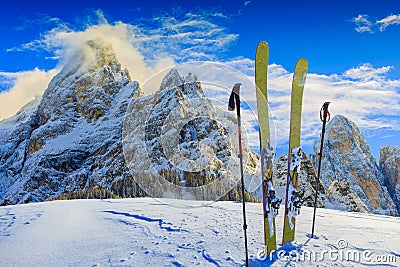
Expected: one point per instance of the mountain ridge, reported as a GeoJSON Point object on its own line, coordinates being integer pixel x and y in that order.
{"type": "Point", "coordinates": [83, 134]}
{"type": "Point", "coordinates": [72, 140]}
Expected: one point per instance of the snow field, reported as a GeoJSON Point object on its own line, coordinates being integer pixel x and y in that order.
{"type": "Point", "coordinates": [167, 232]}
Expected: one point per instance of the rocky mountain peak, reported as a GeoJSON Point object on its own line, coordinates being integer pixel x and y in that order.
{"type": "Point", "coordinates": [85, 86]}
{"type": "Point", "coordinates": [342, 194]}
{"type": "Point", "coordinates": [188, 85]}
{"type": "Point", "coordinates": [85, 89]}
{"type": "Point", "coordinates": [350, 137]}
{"type": "Point", "coordinates": [389, 162]}
{"type": "Point", "coordinates": [103, 53]}
{"type": "Point", "coordinates": [171, 79]}
{"type": "Point", "coordinates": [73, 133]}
{"type": "Point", "coordinates": [178, 130]}
{"type": "Point", "coordinates": [347, 156]}
{"type": "Point", "coordinates": [73, 141]}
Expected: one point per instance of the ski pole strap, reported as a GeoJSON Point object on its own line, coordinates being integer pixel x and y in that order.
{"type": "Point", "coordinates": [324, 114]}
{"type": "Point", "coordinates": [234, 99]}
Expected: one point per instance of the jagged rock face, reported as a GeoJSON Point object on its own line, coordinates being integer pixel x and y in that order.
{"type": "Point", "coordinates": [347, 157]}
{"type": "Point", "coordinates": [71, 139]}
{"type": "Point", "coordinates": [178, 129]}
{"type": "Point", "coordinates": [342, 195]}
{"type": "Point", "coordinates": [306, 179]}
{"type": "Point", "coordinates": [15, 133]}
{"type": "Point", "coordinates": [389, 162]}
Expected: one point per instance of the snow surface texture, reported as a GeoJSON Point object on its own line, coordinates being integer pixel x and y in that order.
{"type": "Point", "coordinates": [149, 232]}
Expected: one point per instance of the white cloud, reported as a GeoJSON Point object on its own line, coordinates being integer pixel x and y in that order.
{"type": "Point", "coordinates": [389, 20]}
{"type": "Point", "coordinates": [371, 100]}
{"type": "Point", "coordinates": [367, 72]}
{"type": "Point", "coordinates": [190, 37]}
{"type": "Point", "coordinates": [143, 49]}
{"type": "Point", "coordinates": [38, 19]}
{"type": "Point", "coordinates": [242, 64]}
{"type": "Point", "coordinates": [363, 94]}
{"type": "Point", "coordinates": [27, 86]}
{"type": "Point", "coordinates": [64, 42]}
{"type": "Point", "coordinates": [363, 24]}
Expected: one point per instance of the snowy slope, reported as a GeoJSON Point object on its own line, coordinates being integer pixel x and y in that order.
{"type": "Point", "coordinates": [165, 232]}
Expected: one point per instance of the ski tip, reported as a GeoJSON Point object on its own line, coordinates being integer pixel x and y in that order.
{"type": "Point", "coordinates": [301, 67]}
{"type": "Point", "coordinates": [302, 62]}
{"type": "Point", "coordinates": [262, 45]}
{"type": "Point", "coordinates": [300, 73]}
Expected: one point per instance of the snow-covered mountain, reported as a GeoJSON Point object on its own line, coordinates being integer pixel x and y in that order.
{"type": "Point", "coordinates": [144, 232]}
{"type": "Point", "coordinates": [94, 134]}
{"type": "Point", "coordinates": [349, 171]}
{"type": "Point", "coordinates": [71, 140]}
{"type": "Point", "coordinates": [179, 130]}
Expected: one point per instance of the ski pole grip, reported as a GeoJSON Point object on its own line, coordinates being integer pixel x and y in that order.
{"type": "Point", "coordinates": [324, 113]}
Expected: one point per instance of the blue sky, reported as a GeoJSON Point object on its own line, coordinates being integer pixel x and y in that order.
{"type": "Point", "coordinates": [352, 48]}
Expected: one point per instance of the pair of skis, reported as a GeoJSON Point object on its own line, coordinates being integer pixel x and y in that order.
{"type": "Point", "coordinates": [270, 201]}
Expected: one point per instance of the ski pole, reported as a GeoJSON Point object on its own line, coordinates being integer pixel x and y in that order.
{"type": "Point", "coordinates": [324, 116]}
{"type": "Point", "coordinates": [234, 100]}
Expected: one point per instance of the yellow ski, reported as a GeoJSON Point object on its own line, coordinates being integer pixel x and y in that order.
{"type": "Point", "coordinates": [293, 202]}
{"type": "Point", "coordinates": [270, 202]}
